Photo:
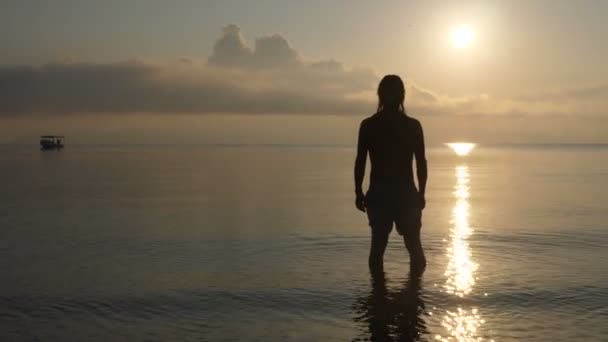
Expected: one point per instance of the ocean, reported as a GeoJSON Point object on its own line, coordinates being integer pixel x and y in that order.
{"type": "Point", "coordinates": [263, 243]}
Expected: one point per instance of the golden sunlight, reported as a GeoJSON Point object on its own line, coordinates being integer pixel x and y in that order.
{"type": "Point", "coordinates": [462, 37]}
{"type": "Point", "coordinates": [462, 148]}
{"type": "Point", "coordinates": [461, 268]}
{"type": "Point", "coordinates": [461, 325]}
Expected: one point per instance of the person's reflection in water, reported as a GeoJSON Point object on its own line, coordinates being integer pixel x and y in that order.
{"type": "Point", "coordinates": [392, 315]}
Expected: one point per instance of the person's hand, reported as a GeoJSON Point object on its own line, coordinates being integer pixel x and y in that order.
{"type": "Point", "coordinates": [422, 201]}
{"type": "Point", "coordinates": [360, 202]}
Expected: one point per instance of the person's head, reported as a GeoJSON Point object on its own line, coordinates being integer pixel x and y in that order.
{"type": "Point", "coordinates": [391, 93]}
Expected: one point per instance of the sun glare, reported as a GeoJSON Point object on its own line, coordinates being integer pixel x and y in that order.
{"type": "Point", "coordinates": [461, 148]}
{"type": "Point", "coordinates": [462, 37]}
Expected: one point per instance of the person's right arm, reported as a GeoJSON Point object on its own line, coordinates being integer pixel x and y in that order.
{"type": "Point", "coordinates": [421, 167]}
{"type": "Point", "coordinates": [360, 167]}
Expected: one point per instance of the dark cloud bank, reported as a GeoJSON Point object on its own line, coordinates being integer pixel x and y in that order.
{"type": "Point", "coordinates": [270, 77]}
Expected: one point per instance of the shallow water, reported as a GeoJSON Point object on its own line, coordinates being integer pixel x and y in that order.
{"type": "Point", "coordinates": [263, 243]}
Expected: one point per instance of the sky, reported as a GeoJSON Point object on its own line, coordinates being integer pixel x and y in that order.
{"type": "Point", "coordinates": [300, 72]}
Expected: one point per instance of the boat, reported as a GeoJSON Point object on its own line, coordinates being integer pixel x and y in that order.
{"type": "Point", "coordinates": [52, 142]}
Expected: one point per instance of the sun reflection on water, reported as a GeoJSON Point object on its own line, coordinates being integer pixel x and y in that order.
{"type": "Point", "coordinates": [461, 267]}
{"type": "Point", "coordinates": [461, 324]}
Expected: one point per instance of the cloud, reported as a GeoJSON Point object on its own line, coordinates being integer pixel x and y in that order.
{"type": "Point", "coordinates": [586, 101]}
{"type": "Point", "coordinates": [270, 77]}
{"type": "Point", "coordinates": [231, 50]}
{"type": "Point", "coordinates": [148, 88]}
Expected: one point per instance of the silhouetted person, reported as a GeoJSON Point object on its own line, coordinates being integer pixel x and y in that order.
{"type": "Point", "coordinates": [392, 140]}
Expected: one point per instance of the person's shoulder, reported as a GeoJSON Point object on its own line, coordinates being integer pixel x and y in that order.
{"type": "Point", "coordinates": [413, 121]}
{"type": "Point", "coordinates": [369, 120]}
{"type": "Point", "coordinates": [374, 117]}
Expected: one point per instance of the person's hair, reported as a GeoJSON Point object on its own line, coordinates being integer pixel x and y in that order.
{"type": "Point", "coordinates": [391, 93]}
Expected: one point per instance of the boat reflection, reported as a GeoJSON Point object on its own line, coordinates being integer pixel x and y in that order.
{"type": "Point", "coordinates": [392, 314]}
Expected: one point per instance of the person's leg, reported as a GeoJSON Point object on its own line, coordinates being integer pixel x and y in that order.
{"type": "Point", "coordinates": [380, 235]}
{"type": "Point", "coordinates": [414, 248]}
{"type": "Point", "coordinates": [409, 227]}
{"type": "Point", "coordinates": [381, 226]}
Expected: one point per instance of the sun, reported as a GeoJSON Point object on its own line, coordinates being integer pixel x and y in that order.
{"type": "Point", "coordinates": [462, 37]}
{"type": "Point", "coordinates": [462, 148]}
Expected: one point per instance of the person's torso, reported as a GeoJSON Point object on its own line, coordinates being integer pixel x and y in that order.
{"type": "Point", "coordinates": [392, 141]}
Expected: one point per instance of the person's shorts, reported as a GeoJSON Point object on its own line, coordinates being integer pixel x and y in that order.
{"type": "Point", "coordinates": [382, 214]}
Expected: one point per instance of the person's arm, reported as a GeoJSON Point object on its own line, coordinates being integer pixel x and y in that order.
{"type": "Point", "coordinates": [421, 168]}
{"type": "Point", "coordinates": [360, 161]}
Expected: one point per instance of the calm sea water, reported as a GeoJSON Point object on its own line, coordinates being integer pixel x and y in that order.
{"type": "Point", "coordinates": [195, 243]}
